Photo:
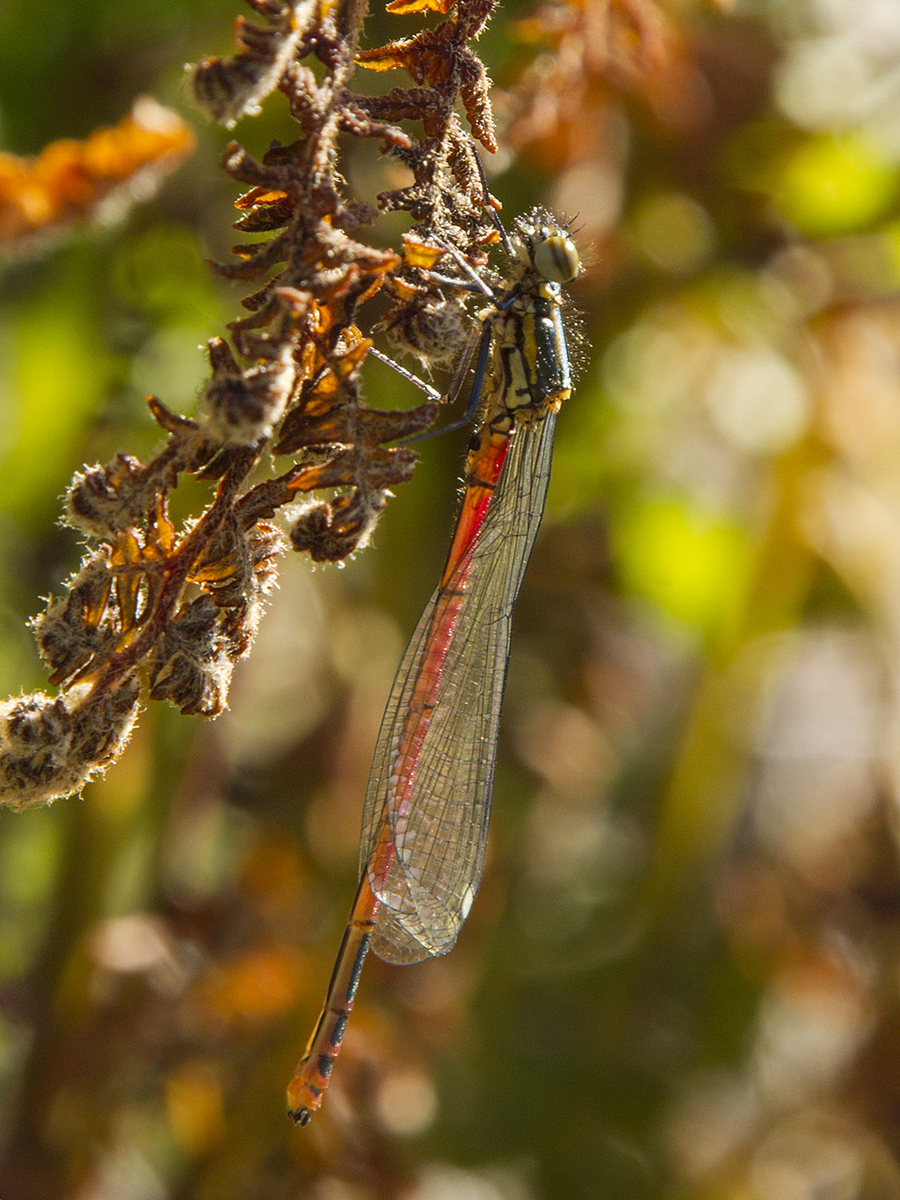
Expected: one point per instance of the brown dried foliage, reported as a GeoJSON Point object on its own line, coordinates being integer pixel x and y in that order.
{"type": "Point", "coordinates": [171, 611]}
{"type": "Point", "coordinates": [597, 52]}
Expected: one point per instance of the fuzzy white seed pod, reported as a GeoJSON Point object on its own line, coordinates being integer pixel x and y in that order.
{"type": "Point", "coordinates": [50, 747]}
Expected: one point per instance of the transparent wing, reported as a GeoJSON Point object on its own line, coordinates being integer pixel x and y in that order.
{"type": "Point", "coordinates": [423, 845]}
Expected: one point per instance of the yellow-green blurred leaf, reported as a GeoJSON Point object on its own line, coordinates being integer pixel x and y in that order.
{"type": "Point", "coordinates": [692, 565]}
{"type": "Point", "coordinates": [836, 184]}
{"type": "Point", "coordinates": [55, 381]}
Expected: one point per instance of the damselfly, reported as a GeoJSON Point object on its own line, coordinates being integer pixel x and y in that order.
{"type": "Point", "coordinates": [426, 811]}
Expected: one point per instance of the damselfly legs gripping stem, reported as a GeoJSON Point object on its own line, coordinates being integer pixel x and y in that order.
{"type": "Point", "coordinates": [429, 793]}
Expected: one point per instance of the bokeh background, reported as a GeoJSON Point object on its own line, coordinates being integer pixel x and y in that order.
{"type": "Point", "coordinates": [680, 978]}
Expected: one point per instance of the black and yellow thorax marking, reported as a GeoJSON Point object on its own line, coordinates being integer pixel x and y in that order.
{"type": "Point", "coordinates": [532, 374]}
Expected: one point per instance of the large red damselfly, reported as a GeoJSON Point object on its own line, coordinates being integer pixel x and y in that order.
{"type": "Point", "coordinates": [428, 799]}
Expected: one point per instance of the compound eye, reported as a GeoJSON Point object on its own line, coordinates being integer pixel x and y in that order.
{"type": "Point", "coordinates": [556, 258]}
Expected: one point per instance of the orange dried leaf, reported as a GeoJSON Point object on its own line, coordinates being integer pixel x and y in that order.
{"type": "Point", "coordinates": [403, 7]}
{"type": "Point", "coordinates": [336, 473]}
{"type": "Point", "coordinates": [127, 552]}
{"type": "Point", "coordinates": [69, 180]}
{"type": "Point", "coordinates": [308, 356]}
{"type": "Point", "coordinates": [392, 57]}
{"type": "Point", "coordinates": [405, 291]}
{"type": "Point", "coordinates": [162, 529]}
{"type": "Point", "coordinates": [127, 593]}
{"type": "Point", "coordinates": [325, 388]}
{"type": "Point", "coordinates": [420, 254]}
{"type": "Point", "coordinates": [349, 361]}
{"type": "Point", "coordinates": [257, 986]}
{"type": "Point", "coordinates": [259, 195]}
{"type": "Point", "coordinates": [320, 320]}
{"type": "Point", "coordinates": [95, 605]}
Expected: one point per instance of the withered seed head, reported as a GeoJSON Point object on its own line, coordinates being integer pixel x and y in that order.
{"type": "Point", "coordinates": [190, 664]}
{"type": "Point", "coordinates": [50, 747]}
{"type": "Point", "coordinates": [429, 326]}
{"type": "Point", "coordinates": [243, 407]}
{"type": "Point", "coordinates": [103, 501]}
{"type": "Point", "coordinates": [78, 627]}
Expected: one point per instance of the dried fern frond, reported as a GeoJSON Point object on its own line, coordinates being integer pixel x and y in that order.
{"type": "Point", "coordinates": [166, 612]}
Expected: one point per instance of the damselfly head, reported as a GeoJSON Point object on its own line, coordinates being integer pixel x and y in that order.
{"type": "Point", "coordinates": [548, 248]}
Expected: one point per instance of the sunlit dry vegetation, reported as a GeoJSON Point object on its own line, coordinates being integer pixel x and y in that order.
{"type": "Point", "coordinates": [680, 977]}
